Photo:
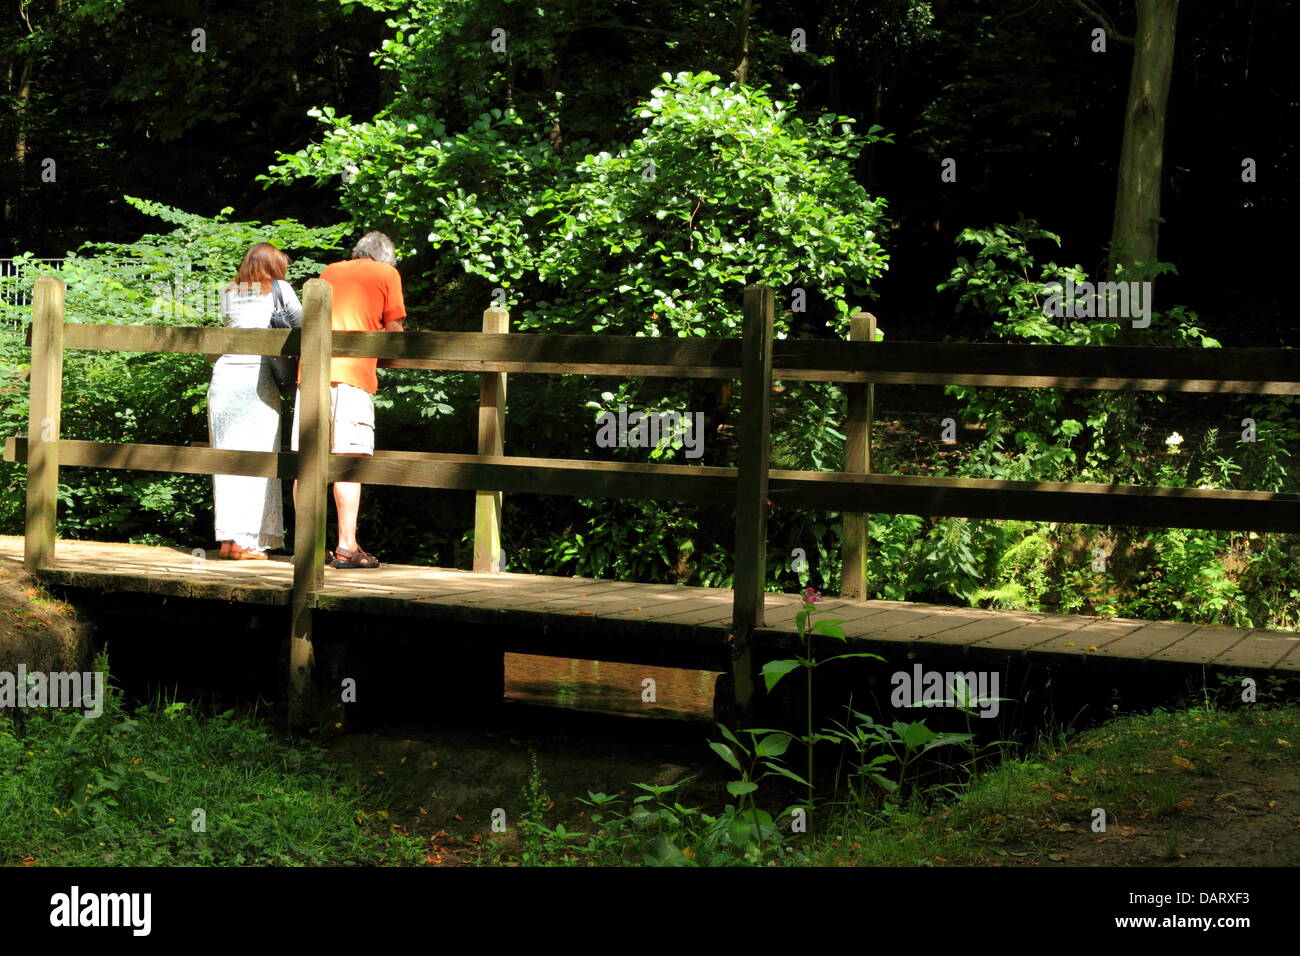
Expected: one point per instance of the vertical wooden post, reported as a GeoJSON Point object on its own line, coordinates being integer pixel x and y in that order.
{"type": "Point", "coordinates": [43, 422]}
{"type": "Point", "coordinates": [491, 435]}
{"type": "Point", "coordinates": [313, 501]}
{"type": "Point", "coordinates": [854, 536]}
{"type": "Point", "coordinates": [751, 488]}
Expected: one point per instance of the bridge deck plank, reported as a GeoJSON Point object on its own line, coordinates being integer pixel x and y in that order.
{"type": "Point", "coordinates": [623, 611]}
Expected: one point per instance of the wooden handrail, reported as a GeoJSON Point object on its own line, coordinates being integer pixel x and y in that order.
{"type": "Point", "coordinates": [930, 496]}
{"type": "Point", "coordinates": [1092, 367]}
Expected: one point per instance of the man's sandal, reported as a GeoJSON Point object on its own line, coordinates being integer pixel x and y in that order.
{"type": "Point", "coordinates": [344, 559]}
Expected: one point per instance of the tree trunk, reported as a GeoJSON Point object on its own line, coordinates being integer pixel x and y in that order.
{"type": "Point", "coordinates": [23, 97]}
{"type": "Point", "coordinates": [1135, 231]}
{"type": "Point", "coordinates": [742, 68]}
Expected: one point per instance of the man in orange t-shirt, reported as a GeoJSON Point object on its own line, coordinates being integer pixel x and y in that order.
{"type": "Point", "coordinates": [367, 297]}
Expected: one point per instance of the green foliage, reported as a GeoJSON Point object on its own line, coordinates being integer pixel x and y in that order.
{"type": "Point", "coordinates": [658, 830]}
{"type": "Point", "coordinates": [1189, 582]}
{"type": "Point", "coordinates": [1042, 433]}
{"type": "Point", "coordinates": [774, 670]}
{"type": "Point", "coordinates": [536, 803]}
{"type": "Point", "coordinates": [1050, 434]}
{"type": "Point", "coordinates": [723, 185]}
{"type": "Point", "coordinates": [901, 743]}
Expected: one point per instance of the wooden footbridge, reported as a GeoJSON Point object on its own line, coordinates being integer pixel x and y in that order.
{"type": "Point", "coordinates": [646, 623]}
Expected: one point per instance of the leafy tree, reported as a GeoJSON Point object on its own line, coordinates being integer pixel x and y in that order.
{"type": "Point", "coordinates": [126, 99]}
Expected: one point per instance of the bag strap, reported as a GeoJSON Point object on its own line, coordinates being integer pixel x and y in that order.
{"type": "Point", "coordinates": [277, 301]}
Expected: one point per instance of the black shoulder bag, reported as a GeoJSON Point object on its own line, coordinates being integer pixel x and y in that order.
{"type": "Point", "coordinates": [283, 367]}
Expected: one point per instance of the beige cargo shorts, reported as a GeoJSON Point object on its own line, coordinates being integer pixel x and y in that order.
{"type": "Point", "coordinates": [352, 420]}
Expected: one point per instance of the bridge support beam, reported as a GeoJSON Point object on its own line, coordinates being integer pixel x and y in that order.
{"type": "Point", "coordinates": [751, 493]}
{"type": "Point", "coordinates": [312, 505]}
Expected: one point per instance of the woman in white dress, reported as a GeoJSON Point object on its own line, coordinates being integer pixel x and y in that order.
{"type": "Point", "coordinates": [244, 409]}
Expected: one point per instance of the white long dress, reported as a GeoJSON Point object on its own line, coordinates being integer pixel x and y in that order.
{"type": "Point", "coordinates": [244, 415]}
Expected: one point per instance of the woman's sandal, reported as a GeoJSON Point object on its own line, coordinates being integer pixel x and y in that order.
{"type": "Point", "coordinates": [245, 554]}
{"type": "Point", "coordinates": [344, 559]}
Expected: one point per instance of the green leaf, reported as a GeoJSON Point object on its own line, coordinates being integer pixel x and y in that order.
{"type": "Point", "coordinates": [829, 629]}
{"type": "Point", "coordinates": [738, 788]}
{"type": "Point", "coordinates": [730, 736]}
{"type": "Point", "coordinates": [773, 671]}
{"type": "Point", "coordinates": [740, 833]}
{"type": "Point", "coordinates": [773, 745]}
{"type": "Point", "coordinates": [945, 740]}
{"type": "Point", "coordinates": [786, 772]}
{"type": "Point", "coordinates": [723, 751]}
{"type": "Point", "coordinates": [866, 654]}
{"type": "Point", "coordinates": [914, 735]}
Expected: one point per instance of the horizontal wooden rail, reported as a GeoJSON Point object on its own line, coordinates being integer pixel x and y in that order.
{"type": "Point", "coordinates": [1126, 368]}
{"type": "Point", "coordinates": [1074, 502]}
{"type": "Point", "coordinates": [169, 338]}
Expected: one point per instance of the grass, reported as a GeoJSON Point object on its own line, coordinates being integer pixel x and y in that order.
{"type": "Point", "coordinates": [165, 786]}
{"type": "Point", "coordinates": [123, 790]}
{"type": "Point", "coordinates": [162, 785]}
{"type": "Point", "coordinates": [1141, 770]}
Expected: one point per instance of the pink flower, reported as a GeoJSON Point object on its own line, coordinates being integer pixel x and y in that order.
{"type": "Point", "coordinates": [810, 596]}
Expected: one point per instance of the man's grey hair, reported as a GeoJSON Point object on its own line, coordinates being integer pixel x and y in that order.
{"type": "Point", "coordinates": [377, 246]}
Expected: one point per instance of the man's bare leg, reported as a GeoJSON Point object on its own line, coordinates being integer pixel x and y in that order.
{"type": "Point", "coordinates": [347, 499]}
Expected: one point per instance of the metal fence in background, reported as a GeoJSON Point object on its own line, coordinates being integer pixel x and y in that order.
{"type": "Point", "coordinates": [15, 291]}
{"type": "Point", "coordinates": [182, 288]}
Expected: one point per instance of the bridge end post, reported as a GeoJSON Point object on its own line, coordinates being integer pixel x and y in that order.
{"type": "Point", "coordinates": [855, 533]}
{"type": "Point", "coordinates": [754, 459]}
{"type": "Point", "coordinates": [491, 441]}
{"type": "Point", "coordinates": [44, 416]}
{"type": "Point", "coordinates": [312, 506]}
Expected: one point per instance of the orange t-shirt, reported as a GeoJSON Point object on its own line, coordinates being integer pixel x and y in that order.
{"type": "Point", "coordinates": [366, 294]}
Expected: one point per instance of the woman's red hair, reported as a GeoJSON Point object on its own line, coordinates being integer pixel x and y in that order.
{"type": "Point", "coordinates": [263, 263]}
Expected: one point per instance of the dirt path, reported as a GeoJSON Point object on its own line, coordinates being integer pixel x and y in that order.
{"type": "Point", "coordinates": [445, 784]}
{"type": "Point", "coordinates": [35, 630]}
{"type": "Point", "coordinates": [1244, 816]}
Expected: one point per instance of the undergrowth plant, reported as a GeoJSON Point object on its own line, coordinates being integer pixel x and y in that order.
{"type": "Point", "coordinates": [773, 671]}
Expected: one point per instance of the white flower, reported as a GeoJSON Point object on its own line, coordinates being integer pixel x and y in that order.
{"type": "Point", "coordinates": [1174, 440]}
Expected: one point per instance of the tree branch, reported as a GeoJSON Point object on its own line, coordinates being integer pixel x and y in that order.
{"type": "Point", "coordinates": [627, 28]}
{"type": "Point", "coordinates": [1098, 14]}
